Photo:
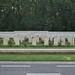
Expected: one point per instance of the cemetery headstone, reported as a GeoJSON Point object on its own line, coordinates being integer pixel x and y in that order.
{"type": "Point", "coordinates": [30, 39]}
{"type": "Point", "coordinates": [37, 39]}
{"type": "Point", "coordinates": [72, 41]}
{"type": "Point", "coordinates": [46, 41]}
{"type": "Point", "coordinates": [34, 41]}
{"type": "Point", "coordinates": [56, 41]}
{"type": "Point", "coordinates": [5, 41]}
{"type": "Point", "coordinates": [16, 40]}
{"type": "Point", "coordinates": [62, 40]}
{"type": "Point", "coordinates": [21, 38]}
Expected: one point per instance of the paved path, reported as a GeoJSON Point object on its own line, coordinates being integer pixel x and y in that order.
{"type": "Point", "coordinates": [37, 50]}
{"type": "Point", "coordinates": [37, 68]}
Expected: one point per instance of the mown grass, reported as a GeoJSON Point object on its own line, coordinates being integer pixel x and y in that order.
{"type": "Point", "coordinates": [39, 46]}
{"type": "Point", "coordinates": [37, 57]}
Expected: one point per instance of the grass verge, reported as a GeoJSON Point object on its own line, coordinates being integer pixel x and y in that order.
{"type": "Point", "coordinates": [37, 57]}
{"type": "Point", "coordinates": [34, 47]}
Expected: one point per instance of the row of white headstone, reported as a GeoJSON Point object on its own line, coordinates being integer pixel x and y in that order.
{"type": "Point", "coordinates": [35, 40]}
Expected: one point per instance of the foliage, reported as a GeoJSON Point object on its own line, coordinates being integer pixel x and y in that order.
{"type": "Point", "coordinates": [50, 15]}
{"type": "Point", "coordinates": [1, 41]}
{"type": "Point", "coordinates": [10, 42]}
{"type": "Point", "coordinates": [41, 40]}
{"type": "Point", "coordinates": [50, 43]}
{"type": "Point", "coordinates": [67, 42]}
{"type": "Point", "coordinates": [26, 39]}
{"type": "Point", "coordinates": [59, 43]}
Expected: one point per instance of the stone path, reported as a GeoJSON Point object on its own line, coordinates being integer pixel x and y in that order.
{"type": "Point", "coordinates": [66, 50]}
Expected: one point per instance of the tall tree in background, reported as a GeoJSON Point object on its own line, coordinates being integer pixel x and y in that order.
{"type": "Point", "coordinates": [50, 15]}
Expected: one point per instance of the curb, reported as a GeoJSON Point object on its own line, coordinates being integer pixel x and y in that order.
{"type": "Point", "coordinates": [37, 51]}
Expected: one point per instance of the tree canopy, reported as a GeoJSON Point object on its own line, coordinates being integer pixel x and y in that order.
{"type": "Point", "coordinates": [50, 15]}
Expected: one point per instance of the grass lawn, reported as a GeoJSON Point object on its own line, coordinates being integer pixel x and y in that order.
{"type": "Point", "coordinates": [38, 47]}
{"type": "Point", "coordinates": [37, 57]}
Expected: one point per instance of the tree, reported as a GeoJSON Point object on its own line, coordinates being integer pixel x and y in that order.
{"type": "Point", "coordinates": [50, 15]}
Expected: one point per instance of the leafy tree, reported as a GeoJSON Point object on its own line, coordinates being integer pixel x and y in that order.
{"type": "Point", "coordinates": [50, 15]}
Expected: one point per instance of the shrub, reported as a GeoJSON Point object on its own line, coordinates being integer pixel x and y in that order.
{"type": "Point", "coordinates": [50, 43]}
{"type": "Point", "coordinates": [66, 39]}
{"type": "Point", "coordinates": [24, 42]}
{"type": "Point", "coordinates": [68, 44]}
{"type": "Point", "coordinates": [10, 42]}
{"type": "Point", "coordinates": [41, 41]}
{"type": "Point", "coordinates": [26, 39]}
{"type": "Point", "coordinates": [59, 43]}
{"type": "Point", "coordinates": [1, 41]}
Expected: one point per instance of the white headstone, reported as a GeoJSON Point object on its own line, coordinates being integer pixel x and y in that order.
{"type": "Point", "coordinates": [69, 39]}
{"type": "Point", "coordinates": [46, 41]}
{"type": "Point", "coordinates": [56, 41]}
{"type": "Point", "coordinates": [30, 39]}
{"type": "Point", "coordinates": [34, 41]}
{"type": "Point", "coordinates": [5, 41]}
{"type": "Point", "coordinates": [62, 40]}
{"type": "Point", "coordinates": [17, 40]}
{"type": "Point", "coordinates": [37, 39]}
{"type": "Point", "coordinates": [72, 41]}
{"type": "Point", "coordinates": [22, 38]}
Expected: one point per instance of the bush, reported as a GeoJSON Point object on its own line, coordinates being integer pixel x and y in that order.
{"type": "Point", "coordinates": [50, 43]}
{"type": "Point", "coordinates": [26, 39]}
{"type": "Point", "coordinates": [10, 42]}
{"type": "Point", "coordinates": [1, 41]}
{"type": "Point", "coordinates": [59, 43]}
{"type": "Point", "coordinates": [24, 42]}
{"type": "Point", "coordinates": [68, 44]}
{"type": "Point", "coordinates": [41, 41]}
